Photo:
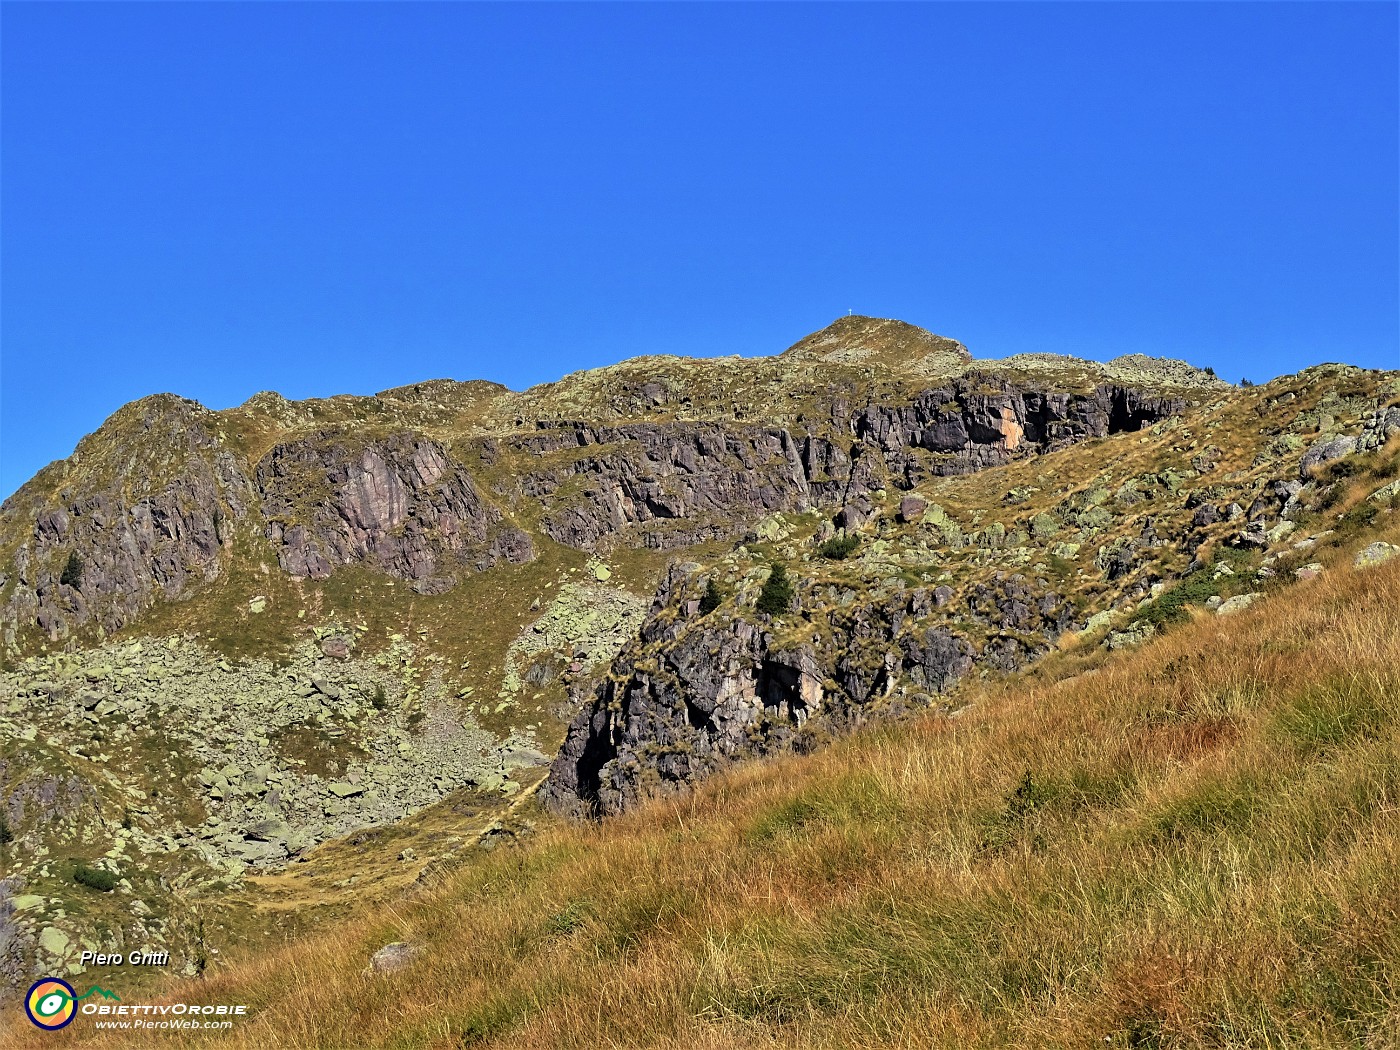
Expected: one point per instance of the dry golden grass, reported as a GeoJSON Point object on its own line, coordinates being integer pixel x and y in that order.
{"type": "Point", "coordinates": [1192, 845]}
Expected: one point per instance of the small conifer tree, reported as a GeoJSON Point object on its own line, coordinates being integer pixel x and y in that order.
{"type": "Point", "coordinates": [73, 572]}
{"type": "Point", "coordinates": [712, 597]}
{"type": "Point", "coordinates": [777, 593]}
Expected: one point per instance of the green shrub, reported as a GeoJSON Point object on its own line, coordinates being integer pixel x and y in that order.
{"type": "Point", "coordinates": [6, 835]}
{"type": "Point", "coordinates": [378, 700]}
{"type": "Point", "coordinates": [712, 598]}
{"type": "Point", "coordinates": [776, 596]}
{"type": "Point", "coordinates": [73, 572]}
{"type": "Point", "coordinates": [94, 878]}
{"type": "Point", "coordinates": [1169, 607]}
{"type": "Point", "coordinates": [839, 548]}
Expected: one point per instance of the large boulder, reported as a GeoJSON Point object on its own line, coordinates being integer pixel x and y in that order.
{"type": "Point", "coordinates": [1324, 451]}
{"type": "Point", "coordinates": [1377, 553]}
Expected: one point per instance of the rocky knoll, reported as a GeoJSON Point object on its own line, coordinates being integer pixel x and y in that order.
{"type": "Point", "coordinates": [698, 690]}
{"type": "Point", "coordinates": [147, 505]}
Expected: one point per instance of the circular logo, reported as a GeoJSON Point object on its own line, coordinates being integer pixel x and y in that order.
{"type": "Point", "coordinates": [49, 1003]}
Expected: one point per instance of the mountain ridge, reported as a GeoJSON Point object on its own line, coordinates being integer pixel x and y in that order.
{"type": "Point", "coordinates": [240, 645]}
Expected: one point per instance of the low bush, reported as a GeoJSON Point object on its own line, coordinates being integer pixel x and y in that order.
{"type": "Point", "coordinates": [94, 878]}
{"type": "Point", "coordinates": [839, 548]}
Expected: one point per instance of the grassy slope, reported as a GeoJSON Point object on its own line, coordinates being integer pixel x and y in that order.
{"type": "Point", "coordinates": [1194, 844]}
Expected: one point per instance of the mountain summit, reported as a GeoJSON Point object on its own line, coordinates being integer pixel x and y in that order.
{"type": "Point", "coordinates": [896, 345]}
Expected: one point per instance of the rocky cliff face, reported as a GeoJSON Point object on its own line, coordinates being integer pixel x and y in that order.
{"type": "Point", "coordinates": [671, 485]}
{"type": "Point", "coordinates": [973, 424]}
{"type": "Point", "coordinates": [400, 504]}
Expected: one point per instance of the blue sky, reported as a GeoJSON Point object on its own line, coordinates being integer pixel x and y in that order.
{"type": "Point", "coordinates": [216, 199]}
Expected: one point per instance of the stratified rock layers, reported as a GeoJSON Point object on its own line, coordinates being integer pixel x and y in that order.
{"type": "Point", "coordinates": [399, 504]}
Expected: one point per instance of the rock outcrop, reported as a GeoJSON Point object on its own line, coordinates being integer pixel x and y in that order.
{"type": "Point", "coordinates": [983, 422]}
{"type": "Point", "coordinates": [400, 504]}
{"type": "Point", "coordinates": [141, 511]}
{"type": "Point", "coordinates": [673, 485]}
{"type": "Point", "coordinates": [695, 692]}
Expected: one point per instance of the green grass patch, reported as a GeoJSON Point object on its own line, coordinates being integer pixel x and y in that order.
{"type": "Point", "coordinates": [571, 917]}
{"type": "Point", "coordinates": [1332, 715]}
{"type": "Point", "coordinates": [1170, 607]}
{"type": "Point", "coordinates": [790, 817]}
{"type": "Point", "coordinates": [1213, 806]}
{"type": "Point", "coordinates": [493, 1019]}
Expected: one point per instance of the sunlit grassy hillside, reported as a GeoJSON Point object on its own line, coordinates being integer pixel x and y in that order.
{"type": "Point", "coordinates": [1196, 844]}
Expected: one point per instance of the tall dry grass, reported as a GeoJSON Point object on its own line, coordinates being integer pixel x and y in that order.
{"type": "Point", "coordinates": [1193, 845]}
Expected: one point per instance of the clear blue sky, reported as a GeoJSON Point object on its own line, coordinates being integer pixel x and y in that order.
{"type": "Point", "coordinates": [218, 199]}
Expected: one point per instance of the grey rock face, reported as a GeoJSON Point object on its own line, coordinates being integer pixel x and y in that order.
{"type": "Point", "coordinates": [1238, 603]}
{"type": "Point", "coordinates": [971, 428]}
{"type": "Point", "coordinates": [393, 957]}
{"type": "Point", "coordinates": [399, 504]}
{"type": "Point", "coordinates": [911, 509]}
{"type": "Point", "coordinates": [1011, 603]}
{"type": "Point", "coordinates": [676, 484]}
{"type": "Point", "coordinates": [1206, 514]}
{"type": "Point", "coordinates": [1377, 553]}
{"type": "Point", "coordinates": [1378, 428]}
